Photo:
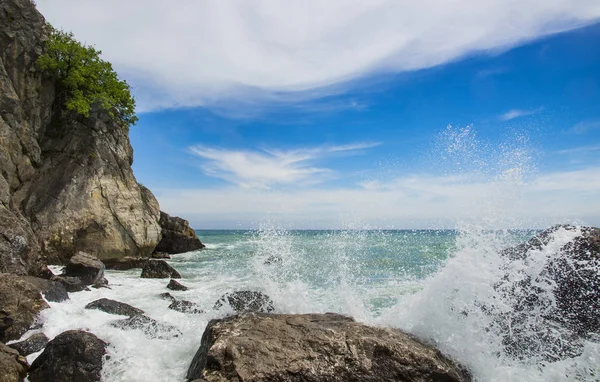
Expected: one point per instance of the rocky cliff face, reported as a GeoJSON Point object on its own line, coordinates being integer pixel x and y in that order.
{"type": "Point", "coordinates": [66, 182]}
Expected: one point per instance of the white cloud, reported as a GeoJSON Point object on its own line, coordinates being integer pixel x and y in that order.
{"type": "Point", "coordinates": [263, 169]}
{"type": "Point", "coordinates": [189, 52]}
{"type": "Point", "coordinates": [586, 126]}
{"type": "Point", "coordinates": [417, 201]}
{"type": "Point", "coordinates": [582, 149]}
{"type": "Point", "coordinates": [517, 113]}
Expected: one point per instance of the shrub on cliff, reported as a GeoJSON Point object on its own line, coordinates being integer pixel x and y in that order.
{"type": "Point", "coordinates": [84, 79]}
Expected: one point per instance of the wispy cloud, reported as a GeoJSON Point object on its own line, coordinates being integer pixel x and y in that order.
{"type": "Point", "coordinates": [202, 52]}
{"type": "Point", "coordinates": [586, 126]}
{"type": "Point", "coordinates": [266, 168]}
{"type": "Point", "coordinates": [581, 149]}
{"type": "Point", "coordinates": [518, 113]}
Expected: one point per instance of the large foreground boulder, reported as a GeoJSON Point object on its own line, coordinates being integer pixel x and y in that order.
{"type": "Point", "coordinates": [71, 356]}
{"type": "Point", "coordinates": [243, 301]}
{"type": "Point", "coordinates": [177, 236]}
{"type": "Point", "coordinates": [314, 347]}
{"type": "Point", "coordinates": [20, 302]}
{"type": "Point", "coordinates": [13, 367]}
{"type": "Point", "coordinates": [552, 284]}
{"type": "Point", "coordinates": [159, 269]}
{"type": "Point", "coordinates": [114, 307]}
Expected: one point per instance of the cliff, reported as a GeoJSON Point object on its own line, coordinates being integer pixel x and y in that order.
{"type": "Point", "coordinates": [66, 183]}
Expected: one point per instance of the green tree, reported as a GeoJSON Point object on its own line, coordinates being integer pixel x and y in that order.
{"type": "Point", "coordinates": [84, 79]}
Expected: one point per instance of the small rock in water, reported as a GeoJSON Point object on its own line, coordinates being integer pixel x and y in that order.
{"type": "Point", "coordinates": [246, 301]}
{"type": "Point", "coordinates": [273, 260]}
{"type": "Point", "coordinates": [114, 307]}
{"type": "Point", "coordinates": [31, 345]}
{"type": "Point", "coordinates": [184, 306]}
{"type": "Point", "coordinates": [102, 283]}
{"type": "Point", "coordinates": [74, 355]}
{"type": "Point", "coordinates": [174, 285]}
{"type": "Point", "coordinates": [85, 267]}
{"type": "Point", "coordinates": [167, 296]}
{"type": "Point", "coordinates": [161, 255]}
{"type": "Point", "coordinates": [159, 269]}
{"type": "Point", "coordinates": [148, 326]}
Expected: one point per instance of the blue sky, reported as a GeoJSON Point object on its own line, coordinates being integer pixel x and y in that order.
{"type": "Point", "coordinates": [434, 129]}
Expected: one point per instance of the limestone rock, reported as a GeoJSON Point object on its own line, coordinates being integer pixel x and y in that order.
{"type": "Point", "coordinates": [159, 269]}
{"type": "Point", "coordinates": [85, 267]}
{"type": "Point", "coordinates": [20, 302]}
{"type": "Point", "coordinates": [314, 347]}
{"type": "Point", "coordinates": [246, 301]}
{"type": "Point", "coordinates": [174, 285]}
{"type": "Point", "coordinates": [31, 345]}
{"type": "Point", "coordinates": [71, 356]}
{"type": "Point", "coordinates": [177, 236]}
{"type": "Point", "coordinates": [114, 307]}
{"type": "Point", "coordinates": [13, 367]}
{"type": "Point", "coordinates": [148, 326]}
{"type": "Point", "coordinates": [184, 306]}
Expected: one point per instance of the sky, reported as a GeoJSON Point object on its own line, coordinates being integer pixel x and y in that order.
{"type": "Point", "coordinates": [358, 114]}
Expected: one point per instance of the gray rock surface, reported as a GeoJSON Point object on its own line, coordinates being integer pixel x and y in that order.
{"type": "Point", "coordinates": [71, 356]}
{"type": "Point", "coordinates": [148, 326]}
{"type": "Point", "coordinates": [13, 367]}
{"type": "Point", "coordinates": [246, 301]}
{"type": "Point", "coordinates": [314, 347]}
{"type": "Point", "coordinates": [51, 290]}
{"type": "Point", "coordinates": [159, 269]}
{"type": "Point", "coordinates": [177, 236]}
{"type": "Point", "coordinates": [86, 267]}
{"type": "Point", "coordinates": [114, 307]}
{"type": "Point", "coordinates": [174, 285]}
{"type": "Point", "coordinates": [20, 302]}
{"type": "Point", "coordinates": [125, 263]}
{"type": "Point", "coordinates": [184, 306]}
{"type": "Point", "coordinates": [31, 345]}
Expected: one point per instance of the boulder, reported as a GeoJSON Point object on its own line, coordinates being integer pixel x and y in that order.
{"type": "Point", "coordinates": [31, 345]}
{"type": "Point", "coordinates": [86, 267]}
{"type": "Point", "coordinates": [20, 302]}
{"type": "Point", "coordinates": [102, 283]}
{"type": "Point", "coordinates": [51, 290]}
{"type": "Point", "coordinates": [159, 269]}
{"type": "Point", "coordinates": [167, 296]}
{"type": "Point", "coordinates": [71, 284]}
{"type": "Point", "coordinates": [148, 326]}
{"type": "Point", "coordinates": [174, 285]}
{"type": "Point", "coordinates": [177, 236]}
{"type": "Point", "coordinates": [125, 263]}
{"type": "Point", "coordinates": [114, 307]}
{"type": "Point", "coordinates": [246, 301]}
{"type": "Point", "coordinates": [184, 306]}
{"type": "Point", "coordinates": [314, 347]}
{"type": "Point", "coordinates": [74, 355]}
{"type": "Point", "coordinates": [13, 367]}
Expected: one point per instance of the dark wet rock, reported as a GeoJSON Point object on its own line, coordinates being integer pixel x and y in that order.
{"type": "Point", "coordinates": [167, 296]}
{"type": "Point", "coordinates": [71, 356]}
{"type": "Point", "coordinates": [314, 347]}
{"type": "Point", "coordinates": [45, 273]}
{"type": "Point", "coordinates": [273, 260]}
{"type": "Point", "coordinates": [20, 302]}
{"type": "Point", "coordinates": [174, 285]}
{"type": "Point", "coordinates": [114, 307]}
{"type": "Point", "coordinates": [85, 267]}
{"type": "Point", "coordinates": [161, 255]}
{"type": "Point", "coordinates": [246, 301]}
{"type": "Point", "coordinates": [177, 236]}
{"type": "Point", "coordinates": [148, 326]}
{"type": "Point", "coordinates": [31, 345]}
{"type": "Point", "coordinates": [71, 284]}
{"type": "Point", "coordinates": [184, 306]}
{"type": "Point", "coordinates": [13, 366]}
{"type": "Point", "coordinates": [102, 283]}
{"type": "Point", "coordinates": [554, 292]}
{"type": "Point", "coordinates": [51, 290]}
{"type": "Point", "coordinates": [126, 263]}
{"type": "Point", "coordinates": [159, 269]}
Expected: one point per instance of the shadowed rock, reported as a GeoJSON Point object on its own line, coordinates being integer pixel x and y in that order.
{"type": "Point", "coordinates": [114, 307]}
{"type": "Point", "coordinates": [148, 326]}
{"type": "Point", "coordinates": [246, 301]}
{"type": "Point", "coordinates": [125, 263]}
{"type": "Point", "coordinates": [177, 236]}
{"type": "Point", "coordinates": [86, 267]}
{"type": "Point", "coordinates": [184, 306]}
{"type": "Point", "coordinates": [71, 284]}
{"type": "Point", "coordinates": [167, 296]}
{"type": "Point", "coordinates": [159, 269]}
{"type": "Point", "coordinates": [174, 285]}
{"type": "Point", "coordinates": [314, 347]}
{"type": "Point", "coordinates": [51, 290]}
{"type": "Point", "coordinates": [71, 356]}
{"type": "Point", "coordinates": [31, 345]}
{"type": "Point", "coordinates": [13, 367]}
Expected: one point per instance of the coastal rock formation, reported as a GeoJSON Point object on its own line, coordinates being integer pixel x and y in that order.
{"type": "Point", "coordinates": [71, 356]}
{"type": "Point", "coordinates": [561, 283]}
{"type": "Point", "coordinates": [125, 263]}
{"type": "Point", "coordinates": [174, 285]}
{"type": "Point", "coordinates": [184, 306]}
{"type": "Point", "coordinates": [31, 345]}
{"type": "Point", "coordinates": [20, 302]}
{"type": "Point", "coordinates": [51, 290]}
{"type": "Point", "coordinates": [159, 269]}
{"type": "Point", "coordinates": [167, 296]}
{"type": "Point", "coordinates": [13, 367]}
{"type": "Point", "coordinates": [114, 307]}
{"type": "Point", "coordinates": [85, 267]}
{"type": "Point", "coordinates": [314, 347]}
{"type": "Point", "coordinates": [177, 236]}
{"type": "Point", "coordinates": [246, 301]}
{"type": "Point", "coordinates": [148, 326]}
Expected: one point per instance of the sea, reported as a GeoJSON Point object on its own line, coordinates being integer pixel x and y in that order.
{"type": "Point", "coordinates": [420, 281]}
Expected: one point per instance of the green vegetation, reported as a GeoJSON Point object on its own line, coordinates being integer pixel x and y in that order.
{"type": "Point", "coordinates": [84, 79]}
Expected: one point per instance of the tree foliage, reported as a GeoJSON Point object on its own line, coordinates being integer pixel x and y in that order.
{"type": "Point", "coordinates": [84, 79]}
